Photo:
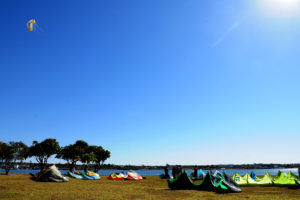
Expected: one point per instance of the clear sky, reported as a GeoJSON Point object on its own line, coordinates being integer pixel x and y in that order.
{"type": "Point", "coordinates": [155, 82]}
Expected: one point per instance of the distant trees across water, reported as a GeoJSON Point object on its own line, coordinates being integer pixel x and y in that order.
{"type": "Point", "coordinates": [80, 151]}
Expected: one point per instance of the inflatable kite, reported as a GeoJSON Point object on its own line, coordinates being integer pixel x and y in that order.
{"type": "Point", "coordinates": [31, 24]}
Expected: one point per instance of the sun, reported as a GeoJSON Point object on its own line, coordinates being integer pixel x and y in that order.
{"type": "Point", "coordinates": [281, 8]}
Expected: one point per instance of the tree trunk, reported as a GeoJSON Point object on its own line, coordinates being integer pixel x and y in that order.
{"type": "Point", "coordinates": [71, 167]}
{"type": "Point", "coordinates": [21, 164]}
{"type": "Point", "coordinates": [40, 161]}
{"type": "Point", "coordinates": [8, 166]}
{"type": "Point", "coordinates": [6, 170]}
{"type": "Point", "coordinates": [42, 166]}
{"type": "Point", "coordinates": [96, 168]}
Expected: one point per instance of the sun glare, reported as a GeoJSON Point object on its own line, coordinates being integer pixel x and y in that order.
{"type": "Point", "coordinates": [281, 8]}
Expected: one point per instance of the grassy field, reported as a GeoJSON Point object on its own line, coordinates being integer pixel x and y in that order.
{"type": "Point", "coordinates": [20, 186]}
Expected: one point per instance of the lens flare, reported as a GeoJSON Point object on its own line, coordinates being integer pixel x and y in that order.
{"type": "Point", "coordinates": [281, 8]}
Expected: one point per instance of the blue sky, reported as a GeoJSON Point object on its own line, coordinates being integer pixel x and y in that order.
{"type": "Point", "coordinates": [154, 82]}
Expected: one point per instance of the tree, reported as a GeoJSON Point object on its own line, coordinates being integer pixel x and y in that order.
{"type": "Point", "coordinates": [87, 158]}
{"type": "Point", "coordinates": [73, 152]}
{"type": "Point", "coordinates": [22, 151]}
{"type": "Point", "coordinates": [42, 151]}
{"type": "Point", "coordinates": [100, 155]}
{"type": "Point", "coordinates": [2, 150]}
{"type": "Point", "coordinates": [67, 153]}
{"type": "Point", "coordinates": [8, 155]}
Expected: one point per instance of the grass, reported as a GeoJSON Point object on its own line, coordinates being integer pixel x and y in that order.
{"type": "Point", "coordinates": [20, 186]}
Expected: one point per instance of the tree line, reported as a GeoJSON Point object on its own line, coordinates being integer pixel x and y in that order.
{"type": "Point", "coordinates": [80, 151]}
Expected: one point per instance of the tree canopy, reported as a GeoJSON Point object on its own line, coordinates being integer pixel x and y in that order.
{"type": "Point", "coordinates": [11, 152]}
{"type": "Point", "coordinates": [73, 153]}
{"type": "Point", "coordinates": [42, 151]}
{"type": "Point", "coordinates": [22, 151]}
{"type": "Point", "coordinates": [100, 155]}
{"type": "Point", "coordinates": [80, 151]}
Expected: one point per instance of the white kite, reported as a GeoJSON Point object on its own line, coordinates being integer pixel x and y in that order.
{"type": "Point", "coordinates": [31, 24]}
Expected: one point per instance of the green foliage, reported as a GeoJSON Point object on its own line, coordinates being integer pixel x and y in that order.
{"type": "Point", "coordinates": [67, 153]}
{"type": "Point", "coordinates": [87, 158]}
{"type": "Point", "coordinates": [79, 151]}
{"type": "Point", "coordinates": [9, 153]}
{"type": "Point", "coordinates": [73, 152]}
{"type": "Point", "coordinates": [98, 151]}
{"type": "Point", "coordinates": [3, 147]}
{"type": "Point", "coordinates": [100, 155]}
{"type": "Point", "coordinates": [42, 151]}
{"type": "Point", "coordinates": [81, 145]}
{"type": "Point", "coordinates": [22, 151]}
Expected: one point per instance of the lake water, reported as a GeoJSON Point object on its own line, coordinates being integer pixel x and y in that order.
{"type": "Point", "coordinates": [159, 172]}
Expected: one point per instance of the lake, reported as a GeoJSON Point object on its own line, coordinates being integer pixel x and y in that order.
{"type": "Point", "coordinates": [159, 172]}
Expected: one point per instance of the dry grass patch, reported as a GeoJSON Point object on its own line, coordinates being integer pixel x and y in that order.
{"type": "Point", "coordinates": [20, 186]}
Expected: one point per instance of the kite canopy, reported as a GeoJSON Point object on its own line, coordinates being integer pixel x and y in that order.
{"type": "Point", "coordinates": [131, 175]}
{"type": "Point", "coordinates": [30, 24]}
{"type": "Point", "coordinates": [239, 179]}
{"type": "Point", "coordinates": [116, 176]}
{"type": "Point", "coordinates": [284, 179]}
{"type": "Point", "coordinates": [85, 176]}
{"type": "Point", "coordinates": [93, 175]}
{"type": "Point", "coordinates": [253, 176]}
{"type": "Point", "coordinates": [52, 174]}
{"type": "Point", "coordinates": [281, 179]}
{"type": "Point", "coordinates": [217, 182]}
{"type": "Point", "coordinates": [248, 180]}
{"type": "Point", "coordinates": [75, 175]}
{"type": "Point", "coordinates": [200, 175]}
{"type": "Point", "coordinates": [230, 183]}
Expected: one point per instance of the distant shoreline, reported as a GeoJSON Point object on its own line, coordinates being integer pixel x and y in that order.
{"type": "Point", "coordinates": [65, 166]}
{"type": "Point", "coordinates": [158, 172]}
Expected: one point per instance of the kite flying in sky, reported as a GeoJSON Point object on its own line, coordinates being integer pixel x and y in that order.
{"type": "Point", "coordinates": [31, 24]}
